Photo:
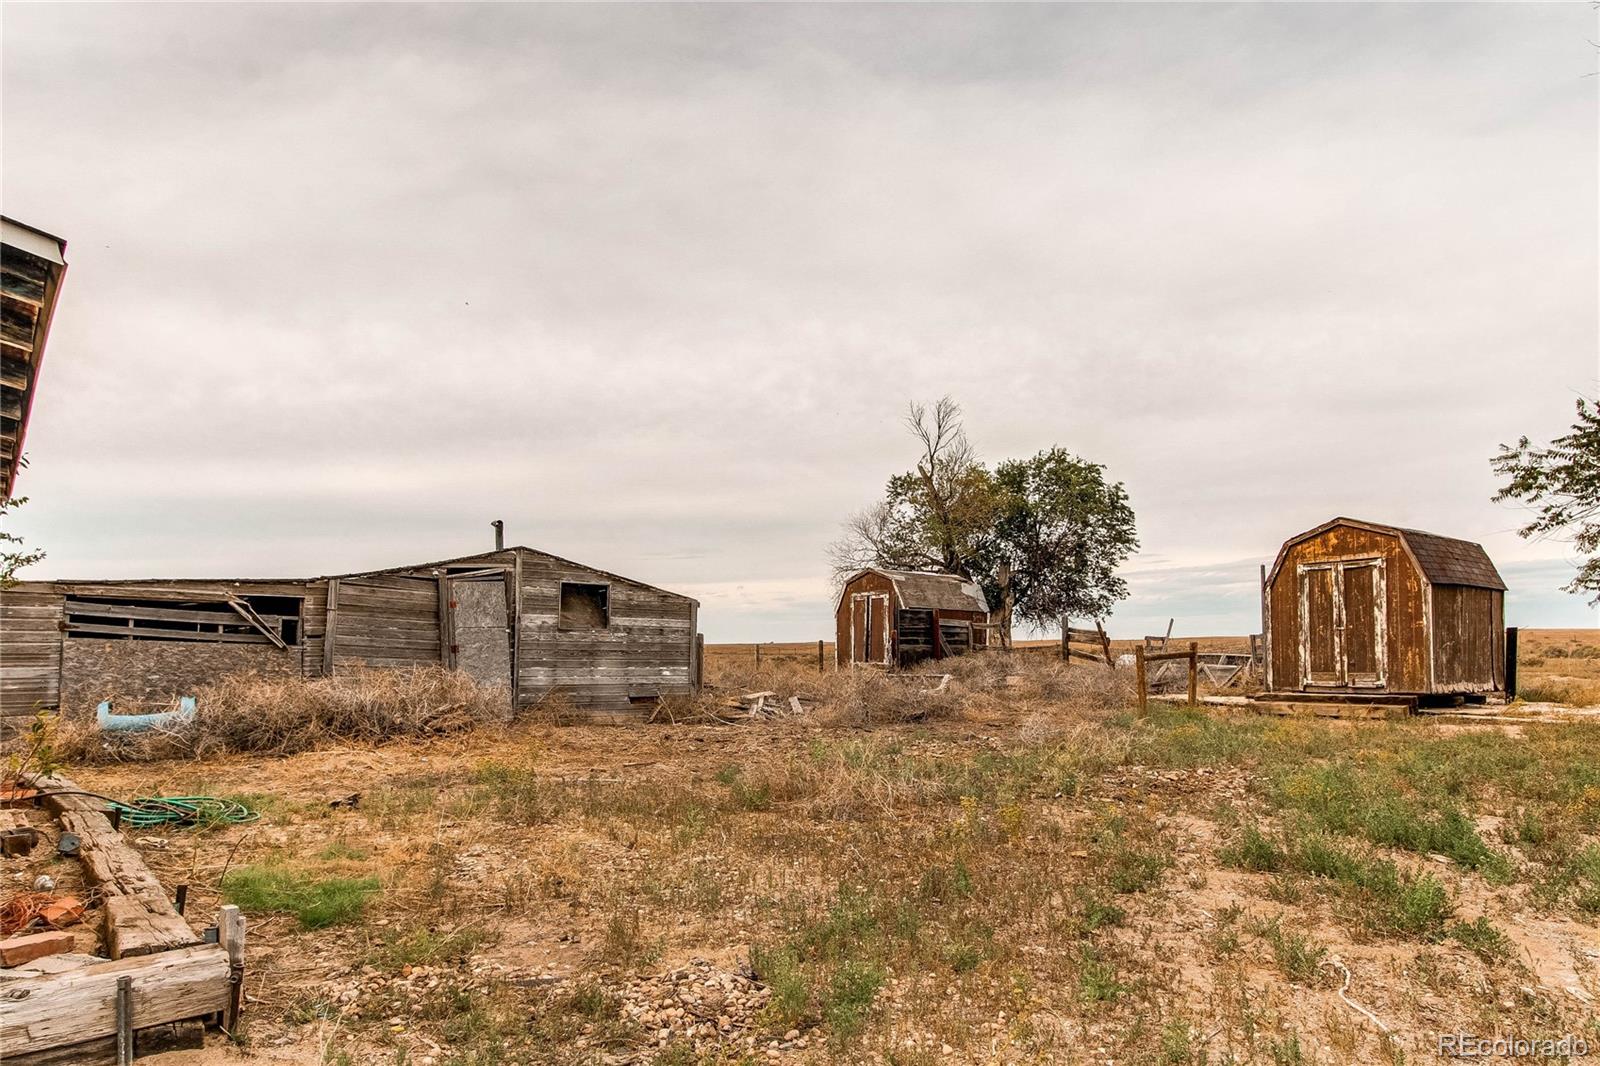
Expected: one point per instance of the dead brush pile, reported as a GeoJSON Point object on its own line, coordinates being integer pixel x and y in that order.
{"type": "Point", "coordinates": [983, 684]}
{"type": "Point", "coordinates": [280, 716]}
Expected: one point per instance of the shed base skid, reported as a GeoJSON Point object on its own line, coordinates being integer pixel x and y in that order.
{"type": "Point", "coordinates": [1327, 705]}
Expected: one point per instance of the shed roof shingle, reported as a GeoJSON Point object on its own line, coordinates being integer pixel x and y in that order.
{"type": "Point", "coordinates": [1448, 561]}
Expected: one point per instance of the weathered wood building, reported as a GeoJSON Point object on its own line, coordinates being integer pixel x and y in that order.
{"type": "Point", "coordinates": [522, 619]}
{"type": "Point", "coordinates": [1358, 607]}
{"type": "Point", "coordinates": [32, 263]}
{"type": "Point", "coordinates": [898, 617]}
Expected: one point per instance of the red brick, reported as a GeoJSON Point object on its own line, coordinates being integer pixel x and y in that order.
{"type": "Point", "coordinates": [21, 949]}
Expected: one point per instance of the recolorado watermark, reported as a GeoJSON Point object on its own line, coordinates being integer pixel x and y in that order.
{"type": "Point", "coordinates": [1468, 1046]}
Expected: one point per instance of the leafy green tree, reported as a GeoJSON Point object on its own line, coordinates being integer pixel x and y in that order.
{"type": "Point", "coordinates": [14, 555]}
{"type": "Point", "coordinates": [1043, 536]}
{"type": "Point", "coordinates": [1561, 483]}
{"type": "Point", "coordinates": [1060, 532]}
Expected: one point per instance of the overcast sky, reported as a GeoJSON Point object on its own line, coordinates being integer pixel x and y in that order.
{"type": "Point", "coordinates": [654, 284]}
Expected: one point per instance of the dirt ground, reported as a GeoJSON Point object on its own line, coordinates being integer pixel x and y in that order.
{"type": "Point", "coordinates": [1030, 873]}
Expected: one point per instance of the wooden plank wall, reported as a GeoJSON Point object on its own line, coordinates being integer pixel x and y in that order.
{"type": "Point", "coordinates": [386, 620]}
{"type": "Point", "coordinates": [1468, 639]}
{"type": "Point", "coordinates": [646, 650]}
{"type": "Point", "coordinates": [30, 651]}
{"type": "Point", "coordinates": [313, 626]}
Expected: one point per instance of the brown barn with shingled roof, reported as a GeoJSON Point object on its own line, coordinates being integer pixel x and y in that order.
{"type": "Point", "coordinates": [1355, 606]}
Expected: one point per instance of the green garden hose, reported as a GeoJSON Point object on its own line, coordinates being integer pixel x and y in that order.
{"type": "Point", "coordinates": [150, 812]}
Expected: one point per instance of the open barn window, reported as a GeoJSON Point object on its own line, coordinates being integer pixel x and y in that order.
{"type": "Point", "coordinates": [273, 620]}
{"type": "Point", "coordinates": [585, 606]}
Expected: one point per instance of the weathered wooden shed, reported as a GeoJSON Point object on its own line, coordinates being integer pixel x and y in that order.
{"type": "Point", "coordinates": [898, 617]}
{"type": "Point", "coordinates": [528, 621]}
{"type": "Point", "coordinates": [32, 264]}
{"type": "Point", "coordinates": [1359, 607]}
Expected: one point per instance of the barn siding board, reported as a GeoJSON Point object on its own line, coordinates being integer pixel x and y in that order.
{"type": "Point", "coordinates": [30, 651]}
{"type": "Point", "coordinates": [647, 647]}
{"type": "Point", "coordinates": [386, 620]}
{"type": "Point", "coordinates": [1465, 638]}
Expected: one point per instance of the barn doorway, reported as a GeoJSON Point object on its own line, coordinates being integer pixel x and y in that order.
{"type": "Point", "coordinates": [481, 637]}
{"type": "Point", "coordinates": [1342, 624]}
{"type": "Point", "coordinates": [869, 627]}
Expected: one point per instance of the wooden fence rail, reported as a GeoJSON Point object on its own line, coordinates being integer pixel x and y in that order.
{"type": "Point", "coordinates": [1141, 676]}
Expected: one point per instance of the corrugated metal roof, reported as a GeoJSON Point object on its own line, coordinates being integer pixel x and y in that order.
{"type": "Point", "coordinates": [940, 592]}
{"type": "Point", "coordinates": [1448, 561]}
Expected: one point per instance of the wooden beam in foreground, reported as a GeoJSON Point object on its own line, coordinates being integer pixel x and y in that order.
{"type": "Point", "coordinates": [1329, 709]}
{"type": "Point", "coordinates": [52, 1013]}
{"type": "Point", "coordinates": [139, 919]}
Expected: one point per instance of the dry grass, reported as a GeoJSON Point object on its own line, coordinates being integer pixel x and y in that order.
{"type": "Point", "coordinates": [1023, 870]}
{"type": "Point", "coordinates": [1559, 666]}
{"type": "Point", "coordinates": [279, 716]}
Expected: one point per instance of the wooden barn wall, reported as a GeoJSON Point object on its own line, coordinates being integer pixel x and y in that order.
{"type": "Point", "coordinates": [844, 649]}
{"type": "Point", "coordinates": [30, 651]}
{"type": "Point", "coordinates": [386, 620]}
{"type": "Point", "coordinates": [313, 627]}
{"type": "Point", "coordinates": [156, 671]}
{"type": "Point", "coordinates": [1407, 638]}
{"type": "Point", "coordinates": [1468, 639]}
{"type": "Point", "coordinates": [646, 650]}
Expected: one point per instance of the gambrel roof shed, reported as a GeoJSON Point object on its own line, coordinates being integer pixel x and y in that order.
{"type": "Point", "coordinates": [920, 590]}
{"type": "Point", "coordinates": [1365, 606]}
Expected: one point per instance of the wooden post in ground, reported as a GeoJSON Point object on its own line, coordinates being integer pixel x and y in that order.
{"type": "Point", "coordinates": [1194, 674]}
{"type": "Point", "coordinates": [1066, 639]}
{"type": "Point", "coordinates": [699, 661]}
{"type": "Point", "coordinates": [230, 934]}
{"type": "Point", "coordinates": [1511, 662]}
{"type": "Point", "coordinates": [1139, 678]}
{"type": "Point", "coordinates": [820, 667]}
{"type": "Point", "coordinates": [125, 1021]}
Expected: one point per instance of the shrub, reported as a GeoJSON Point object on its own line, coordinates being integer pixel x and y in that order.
{"type": "Point", "coordinates": [1254, 850]}
{"type": "Point", "coordinates": [1482, 939]}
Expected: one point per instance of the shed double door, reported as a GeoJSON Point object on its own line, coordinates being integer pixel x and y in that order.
{"type": "Point", "coordinates": [869, 627]}
{"type": "Point", "coordinates": [1342, 624]}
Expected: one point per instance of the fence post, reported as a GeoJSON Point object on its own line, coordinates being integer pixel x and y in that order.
{"type": "Point", "coordinates": [758, 656]}
{"type": "Point", "coordinates": [1139, 678]}
{"type": "Point", "coordinates": [1194, 674]}
{"type": "Point", "coordinates": [1066, 639]}
{"type": "Point", "coordinates": [1511, 662]}
{"type": "Point", "coordinates": [820, 668]}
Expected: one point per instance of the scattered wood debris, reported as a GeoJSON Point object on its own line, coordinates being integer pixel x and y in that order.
{"type": "Point", "coordinates": [58, 1005]}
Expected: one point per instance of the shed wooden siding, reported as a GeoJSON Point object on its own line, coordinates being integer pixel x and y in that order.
{"type": "Point", "coordinates": [1468, 639]}
{"type": "Point", "coordinates": [647, 649]}
{"type": "Point", "coordinates": [386, 620]}
{"type": "Point", "coordinates": [1406, 634]}
{"type": "Point", "coordinates": [30, 651]}
{"type": "Point", "coordinates": [313, 627]}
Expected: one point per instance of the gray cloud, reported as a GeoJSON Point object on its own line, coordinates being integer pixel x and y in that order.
{"type": "Point", "coordinates": [654, 283]}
